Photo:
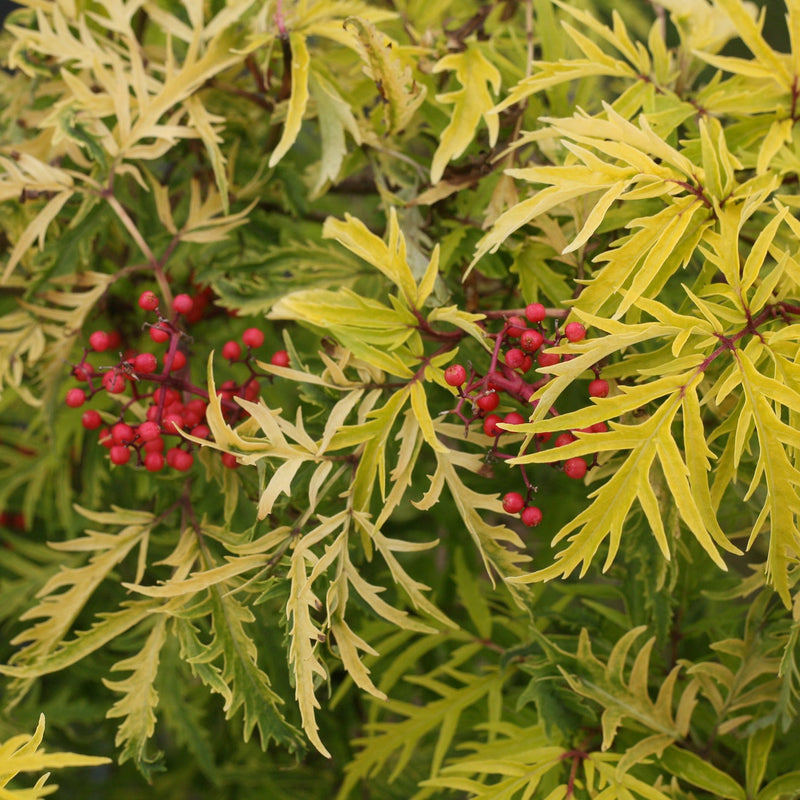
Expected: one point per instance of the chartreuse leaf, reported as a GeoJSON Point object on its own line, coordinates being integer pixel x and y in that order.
{"type": "Point", "coordinates": [464, 691]}
{"type": "Point", "coordinates": [137, 707]}
{"type": "Point", "coordinates": [611, 503]}
{"type": "Point", "coordinates": [22, 754]}
{"type": "Point", "coordinates": [687, 766]}
{"type": "Point", "coordinates": [400, 94]}
{"type": "Point", "coordinates": [621, 698]}
{"type": "Point", "coordinates": [787, 785]}
{"type": "Point", "coordinates": [781, 502]}
{"type": "Point", "coordinates": [471, 102]}
{"type": "Point", "coordinates": [64, 596]}
{"type": "Point", "coordinates": [298, 100]}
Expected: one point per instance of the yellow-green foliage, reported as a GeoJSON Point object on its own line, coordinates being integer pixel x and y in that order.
{"type": "Point", "coordinates": [378, 186]}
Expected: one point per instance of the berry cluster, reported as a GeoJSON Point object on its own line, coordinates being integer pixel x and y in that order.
{"type": "Point", "coordinates": [522, 338]}
{"type": "Point", "coordinates": [161, 380]}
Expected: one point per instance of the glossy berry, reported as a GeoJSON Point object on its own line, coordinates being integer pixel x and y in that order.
{"type": "Point", "coordinates": [280, 358]}
{"type": "Point", "coordinates": [488, 401]}
{"type": "Point", "coordinates": [513, 502]}
{"type": "Point", "coordinates": [148, 431]}
{"type": "Point", "coordinates": [178, 361]}
{"type": "Point", "coordinates": [574, 331]}
{"type": "Point", "coordinates": [153, 462]}
{"type": "Point", "coordinates": [75, 398]}
{"type": "Point", "coordinates": [548, 359]}
{"type": "Point", "coordinates": [515, 326]}
{"type": "Point", "coordinates": [531, 340]}
{"type": "Point", "coordinates": [229, 460]}
{"type": "Point", "coordinates": [113, 382]}
{"type": "Point", "coordinates": [99, 341]}
{"type": "Point", "coordinates": [575, 468]}
{"type": "Point", "coordinates": [201, 431]}
{"type": "Point", "coordinates": [531, 516]}
{"type": "Point", "coordinates": [83, 371]}
{"type": "Point", "coordinates": [154, 446]}
{"type": "Point", "coordinates": [535, 312]}
{"type": "Point", "coordinates": [114, 340]}
{"type": "Point", "coordinates": [158, 334]}
{"type": "Point", "coordinates": [455, 375]}
{"type": "Point", "coordinates": [599, 427]}
{"type": "Point", "coordinates": [122, 433]}
{"type": "Point", "coordinates": [598, 388]}
{"type": "Point", "coordinates": [172, 423]}
{"type": "Point", "coordinates": [490, 425]}
{"type": "Point", "coordinates": [564, 439]}
{"type": "Point", "coordinates": [91, 419]}
{"type": "Point", "coordinates": [514, 358]}
{"type": "Point", "coordinates": [148, 301]}
{"type": "Point", "coordinates": [232, 351]}
{"type": "Point", "coordinates": [180, 459]}
{"type": "Point", "coordinates": [527, 363]}
{"type": "Point", "coordinates": [119, 454]}
{"type": "Point", "coordinates": [253, 337]}
{"type": "Point", "coordinates": [182, 304]}
{"type": "Point", "coordinates": [105, 438]}
{"type": "Point", "coordinates": [513, 418]}
{"type": "Point", "coordinates": [145, 363]}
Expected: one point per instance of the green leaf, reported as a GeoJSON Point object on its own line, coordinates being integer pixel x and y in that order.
{"type": "Point", "coordinates": [687, 766]}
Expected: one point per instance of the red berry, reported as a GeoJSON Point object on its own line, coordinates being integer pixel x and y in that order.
{"type": "Point", "coordinates": [513, 502]}
{"type": "Point", "coordinates": [543, 437]}
{"type": "Point", "coordinates": [488, 401]}
{"type": "Point", "coordinates": [232, 351]}
{"type": "Point", "coordinates": [122, 433]}
{"type": "Point", "coordinates": [527, 363]}
{"type": "Point", "coordinates": [531, 516]}
{"type": "Point", "coordinates": [455, 375]}
{"type": "Point", "coordinates": [574, 331]}
{"type": "Point", "coordinates": [598, 388]}
{"type": "Point", "coordinates": [172, 423]}
{"type": "Point", "coordinates": [114, 340]}
{"type": "Point", "coordinates": [182, 304]}
{"type": "Point", "coordinates": [75, 398]}
{"type": "Point", "coordinates": [515, 326]}
{"type": "Point", "coordinates": [153, 462]}
{"type": "Point", "coordinates": [280, 358]}
{"type": "Point", "coordinates": [229, 460]}
{"type": "Point", "coordinates": [154, 445]}
{"type": "Point", "coordinates": [201, 431]}
{"type": "Point", "coordinates": [178, 361]}
{"type": "Point", "coordinates": [83, 371]}
{"type": "Point", "coordinates": [531, 340]}
{"type": "Point", "coordinates": [148, 431]}
{"type": "Point", "coordinates": [564, 439]}
{"type": "Point", "coordinates": [514, 418]}
{"type": "Point", "coordinates": [158, 334]}
{"type": "Point", "coordinates": [253, 337]}
{"type": "Point", "coordinates": [148, 301]}
{"type": "Point", "coordinates": [548, 359]}
{"type": "Point", "coordinates": [490, 425]}
{"type": "Point", "coordinates": [114, 382]}
{"type": "Point", "coordinates": [145, 363]}
{"type": "Point", "coordinates": [599, 427]}
{"type": "Point", "coordinates": [105, 438]}
{"type": "Point", "coordinates": [91, 420]}
{"type": "Point", "coordinates": [535, 312]}
{"type": "Point", "coordinates": [99, 341]}
{"type": "Point", "coordinates": [180, 459]}
{"type": "Point", "coordinates": [119, 454]}
{"type": "Point", "coordinates": [252, 389]}
{"type": "Point", "coordinates": [575, 468]}
{"type": "Point", "coordinates": [514, 358]}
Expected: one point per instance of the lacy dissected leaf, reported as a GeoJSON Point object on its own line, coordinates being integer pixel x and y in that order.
{"type": "Point", "coordinates": [23, 754]}
{"type": "Point", "coordinates": [400, 95]}
{"type": "Point", "coordinates": [471, 103]}
{"type": "Point", "coordinates": [228, 664]}
{"type": "Point", "coordinates": [137, 707]}
{"type": "Point", "coordinates": [393, 743]}
{"type": "Point", "coordinates": [300, 65]}
{"type": "Point", "coordinates": [622, 697]}
{"type": "Point", "coordinates": [64, 596]}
